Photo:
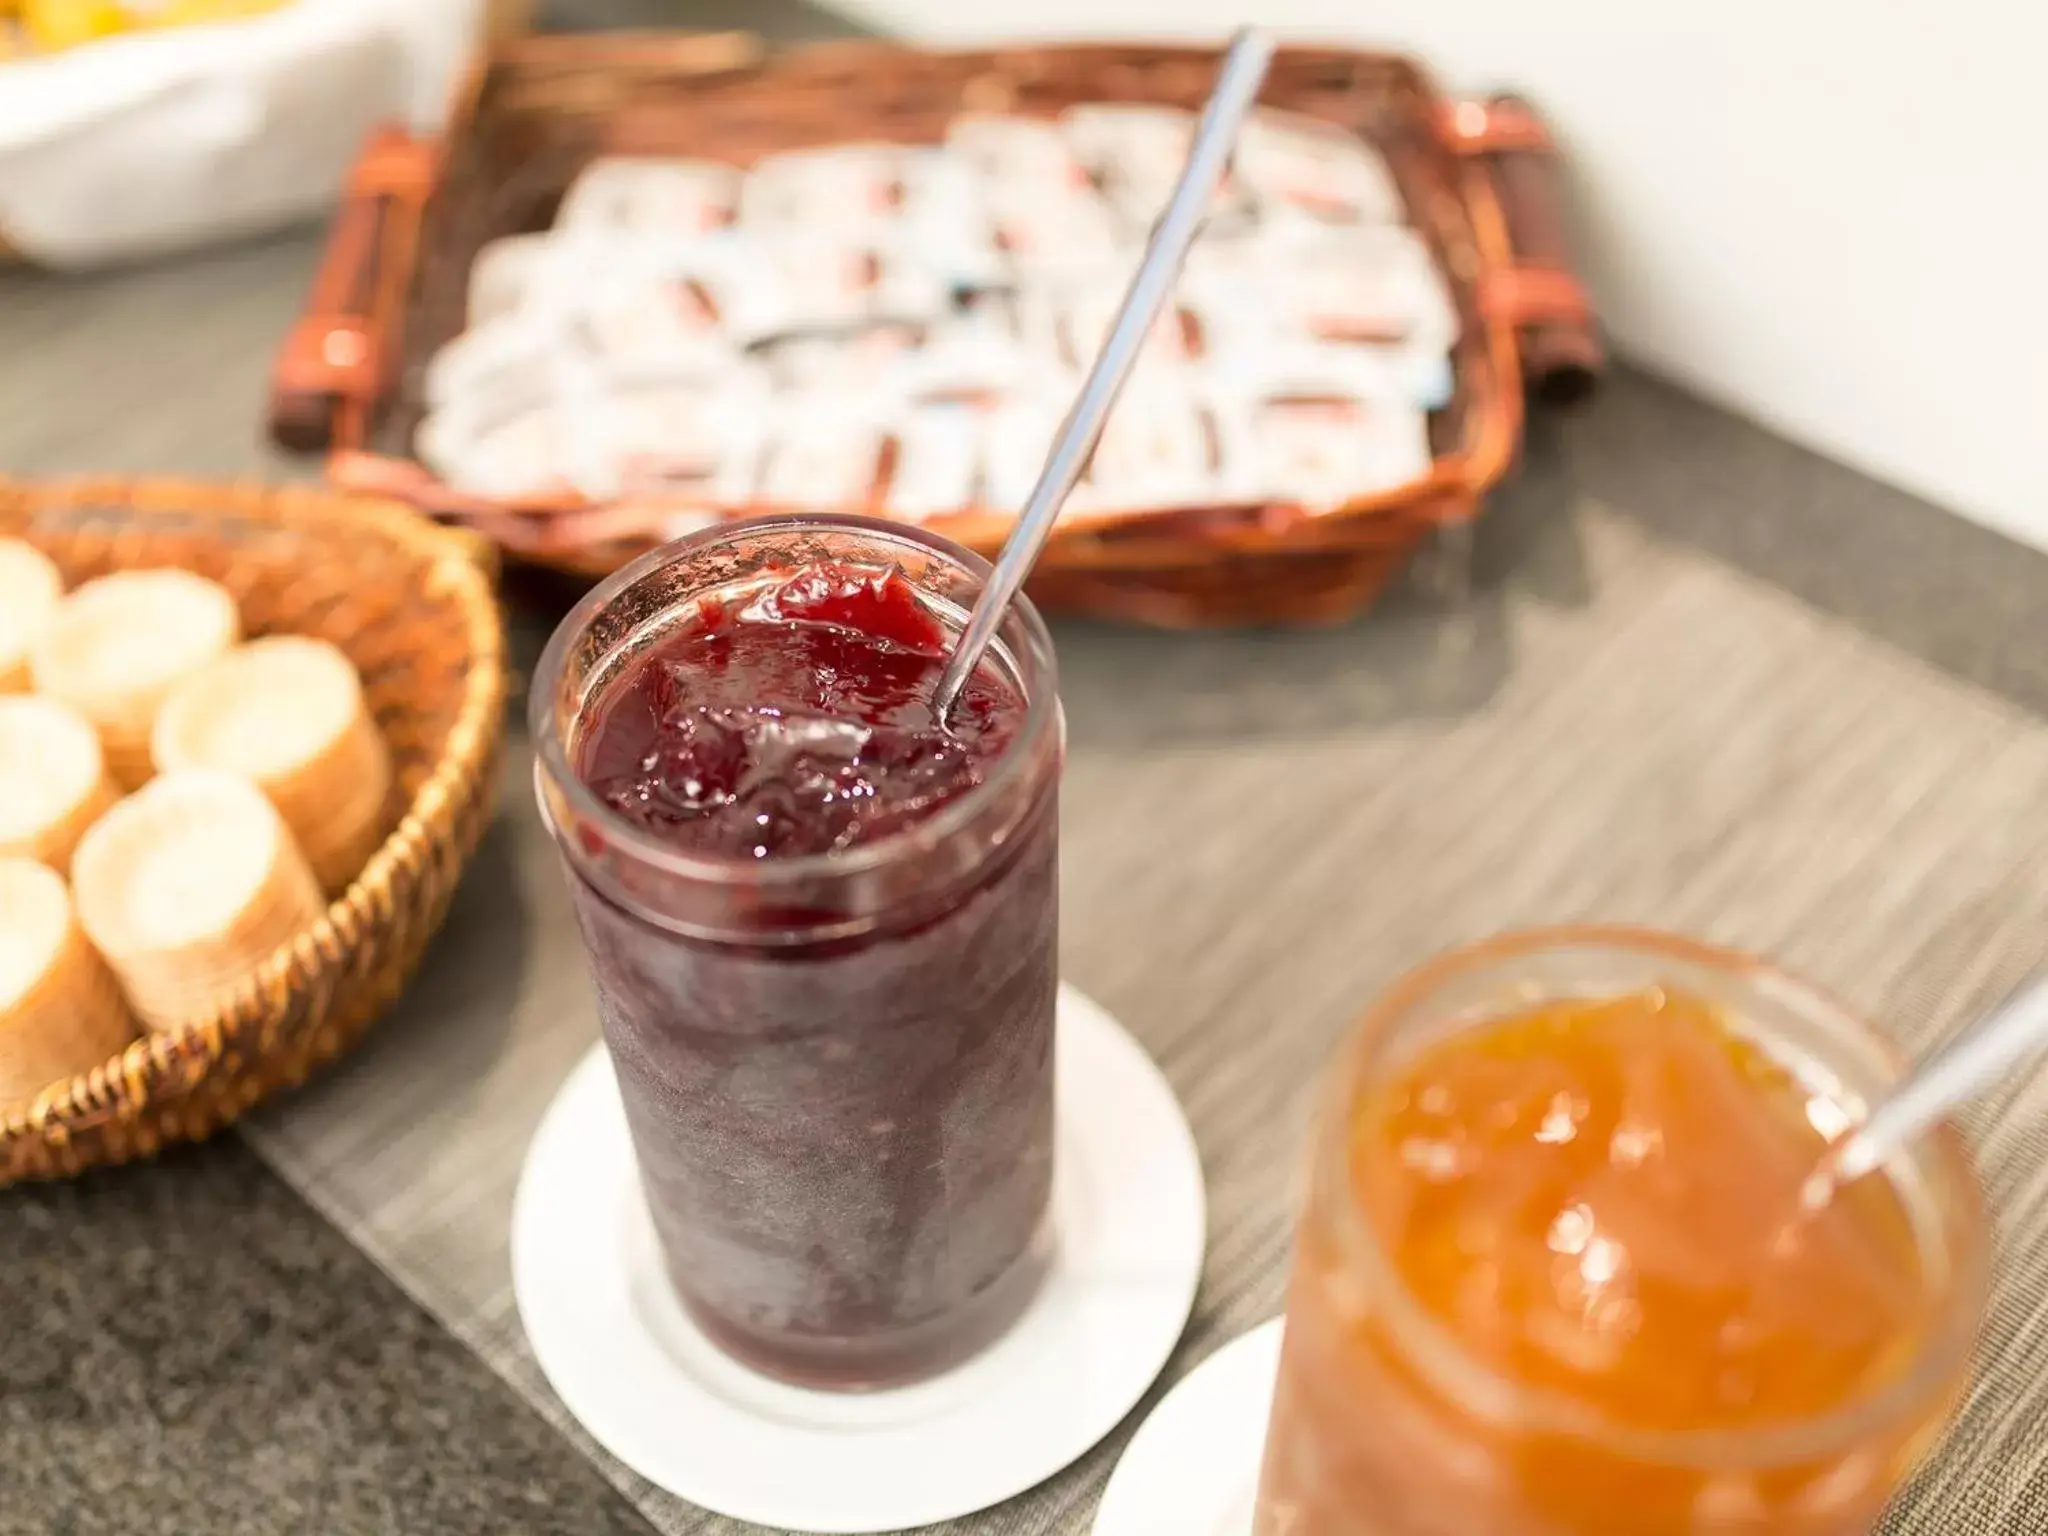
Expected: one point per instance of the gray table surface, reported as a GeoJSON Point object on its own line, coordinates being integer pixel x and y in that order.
{"type": "Point", "coordinates": [190, 1348]}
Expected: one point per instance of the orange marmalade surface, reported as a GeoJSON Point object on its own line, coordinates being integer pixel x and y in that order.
{"type": "Point", "coordinates": [1601, 1199]}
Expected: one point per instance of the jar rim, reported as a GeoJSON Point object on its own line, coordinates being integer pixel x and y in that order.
{"type": "Point", "coordinates": [1445, 1362]}
{"type": "Point", "coordinates": [1038, 678]}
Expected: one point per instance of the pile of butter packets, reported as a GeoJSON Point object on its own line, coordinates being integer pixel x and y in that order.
{"type": "Point", "coordinates": [882, 326]}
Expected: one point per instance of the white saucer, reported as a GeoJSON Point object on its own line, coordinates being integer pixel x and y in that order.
{"type": "Point", "coordinates": [627, 1361]}
{"type": "Point", "coordinates": [1192, 1469]}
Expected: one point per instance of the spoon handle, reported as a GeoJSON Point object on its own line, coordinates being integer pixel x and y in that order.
{"type": "Point", "coordinates": [1965, 1066]}
{"type": "Point", "coordinates": [1237, 85]}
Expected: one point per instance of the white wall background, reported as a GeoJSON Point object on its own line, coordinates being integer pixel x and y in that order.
{"type": "Point", "coordinates": [1831, 215]}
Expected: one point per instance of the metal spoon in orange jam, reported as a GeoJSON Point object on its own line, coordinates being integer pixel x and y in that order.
{"type": "Point", "coordinates": [1595, 1198]}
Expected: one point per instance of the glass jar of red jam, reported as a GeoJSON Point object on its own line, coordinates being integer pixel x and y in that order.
{"type": "Point", "coordinates": [1554, 1275]}
{"type": "Point", "coordinates": [823, 931]}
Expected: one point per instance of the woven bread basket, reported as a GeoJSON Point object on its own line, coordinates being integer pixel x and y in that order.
{"type": "Point", "coordinates": [1478, 179]}
{"type": "Point", "coordinates": [412, 606]}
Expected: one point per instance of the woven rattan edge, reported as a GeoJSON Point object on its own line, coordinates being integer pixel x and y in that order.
{"type": "Point", "coordinates": [1496, 435]}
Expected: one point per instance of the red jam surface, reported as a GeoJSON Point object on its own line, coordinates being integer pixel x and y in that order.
{"type": "Point", "coordinates": [795, 719]}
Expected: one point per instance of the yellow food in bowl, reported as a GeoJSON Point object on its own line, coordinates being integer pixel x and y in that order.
{"type": "Point", "coordinates": [57, 24]}
{"type": "Point", "coordinates": [51, 26]}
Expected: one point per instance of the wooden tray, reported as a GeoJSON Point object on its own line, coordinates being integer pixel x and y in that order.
{"type": "Point", "coordinates": [1478, 178]}
{"type": "Point", "coordinates": [412, 606]}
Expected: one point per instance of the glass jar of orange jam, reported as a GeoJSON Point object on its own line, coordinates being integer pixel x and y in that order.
{"type": "Point", "coordinates": [1554, 1276]}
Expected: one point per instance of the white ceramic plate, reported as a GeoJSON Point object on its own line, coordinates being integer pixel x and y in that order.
{"type": "Point", "coordinates": [1193, 1468]}
{"type": "Point", "coordinates": [627, 1361]}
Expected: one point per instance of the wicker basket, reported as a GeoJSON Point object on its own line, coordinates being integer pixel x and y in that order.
{"type": "Point", "coordinates": [412, 606]}
{"type": "Point", "coordinates": [1478, 179]}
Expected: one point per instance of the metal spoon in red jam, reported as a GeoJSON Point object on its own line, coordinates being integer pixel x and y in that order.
{"type": "Point", "coordinates": [793, 717]}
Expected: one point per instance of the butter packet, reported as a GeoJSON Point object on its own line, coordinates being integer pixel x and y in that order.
{"type": "Point", "coordinates": [1076, 320]}
{"type": "Point", "coordinates": [1043, 237]}
{"type": "Point", "coordinates": [867, 358]}
{"type": "Point", "coordinates": [1159, 448]}
{"type": "Point", "coordinates": [990, 347]}
{"type": "Point", "coordinates": [1018, 435]}
{"type": "Point", "coordinates": [685, 438]}
{"type": "Point", "coordinates": [645, 308]}
{"type": "Point", "coordinates": [1109, 134]}
{"type": "Point", "coordinates": [1292, 161]}
{"type": "Point", "coordinates": [937, 452]}
{"type": "Point", "coordinates": [820, 282]}
{"type": "Point", "coordinates": [1372, 284]}
{"type": "Point", "coordinates": [1027, 156]}
{"type": "Point", "coordinates": [650, 196]}
{"type": "Point", "coordinates": [836, 187]}
{"type": "Point", "coordinates": [505, 271]}
{"type": "Point", "coordinates": [1135, 153]}
{"type": "Point", "coordinates": [821, 456]}
{"type": "Point", "coordinates": [500, 438]}
{"type": "Point", "coordinates": [1321, 448]}
{"type": "Point", "coordinates": [711, 293]}
{"type": "Point", "coordinates": [1396, 374]}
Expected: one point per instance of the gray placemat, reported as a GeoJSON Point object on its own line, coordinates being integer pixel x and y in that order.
{"type": "Point", "coordinates": [1262, 831]}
